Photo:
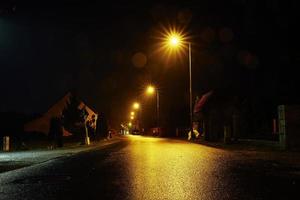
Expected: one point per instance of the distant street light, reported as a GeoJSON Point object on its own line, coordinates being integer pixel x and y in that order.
{"type": "Point", "coordinates": [176, 40]}
{"type": "Point", "coordinates": [150, 90]}
{"type": "Point", "coordinates": [136, 105]}
{"type": "Point", "coordinates": [132, 113]}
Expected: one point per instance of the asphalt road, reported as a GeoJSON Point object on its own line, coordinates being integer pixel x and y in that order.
{"type": "Point", "coordinates": [151, 168]}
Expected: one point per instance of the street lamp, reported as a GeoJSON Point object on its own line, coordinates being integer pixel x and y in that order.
{"type": "Point", "coordinates": [136, 105]}
{"type": "Point", "coordinates": [150, 90]}
{"type": "Point", "coordinates": [176, 40]}
{"type": "Point", "coordinates": [129, 127]}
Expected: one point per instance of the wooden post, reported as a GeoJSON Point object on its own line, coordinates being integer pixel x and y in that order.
{"type": "Point", "coordinates": [6, 143]}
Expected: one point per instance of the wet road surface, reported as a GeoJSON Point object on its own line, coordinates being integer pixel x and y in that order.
{"type": "Point", "coordinates": [152, 168]}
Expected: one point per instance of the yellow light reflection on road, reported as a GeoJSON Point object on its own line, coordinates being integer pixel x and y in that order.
{"type": "Point", "coordinates": [160, 169]}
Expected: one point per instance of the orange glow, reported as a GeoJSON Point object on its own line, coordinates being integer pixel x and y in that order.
{"type": "Point", "coordinates": [149, 158]}
{"type": "Point", "coordinates": [173, 41]}
{"type": "Point", "coordinates": [136, 105]}
{"type": "Point", "coordinates": [150, 89]}
{"type": "Point", "coordinates": [132, 113]}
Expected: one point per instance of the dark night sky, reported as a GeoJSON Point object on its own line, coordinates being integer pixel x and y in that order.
{"type": "Point", "coordinates": [241, 47]}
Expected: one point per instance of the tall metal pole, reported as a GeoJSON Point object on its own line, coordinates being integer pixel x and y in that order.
{"type": "Point", "coordinates": [139, 112]}
{"type": "Point", "coordinates": [191, 96]}
{"type": "Point", "coordinates": [140, 119]}
{"type": "Point", "coordinates": [157, 108]}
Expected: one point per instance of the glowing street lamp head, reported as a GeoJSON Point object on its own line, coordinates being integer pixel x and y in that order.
{"type": "Point", "coordinates": [132, 117]}
{"type": "Point", "coordinates": [129, 124]}
{"type": "Point", "coordinates": [150, 89]}
{"type": "Point", "coordinates": [174, 40]}
{"type": "Point", "coordinates": [132, 113]}
{"type": "Point", "coordinates": [136, 105]}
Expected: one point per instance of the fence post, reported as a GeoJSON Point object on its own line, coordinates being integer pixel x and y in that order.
{"type": "Point", "coordinates": [6, 143]}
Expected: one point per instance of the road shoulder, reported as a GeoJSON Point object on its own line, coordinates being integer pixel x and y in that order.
{"type": "Point", "coordinates": [19, 159]}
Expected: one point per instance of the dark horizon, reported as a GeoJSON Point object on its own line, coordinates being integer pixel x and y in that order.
{"type": "Point", "coordinates": [240, 48]}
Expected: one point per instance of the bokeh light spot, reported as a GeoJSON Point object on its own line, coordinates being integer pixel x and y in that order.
{"type": "Point", "coordinates": [139, 60]}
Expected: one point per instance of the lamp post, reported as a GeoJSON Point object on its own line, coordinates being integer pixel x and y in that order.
{"type": "Point", "coordinates": [175, 40]}
{"type": "Point", "coordinates": [136, 106]}
{"type": "Point", "coordinates": [150, 90]}
{"type": "Point", "coordinates": [190, 86]}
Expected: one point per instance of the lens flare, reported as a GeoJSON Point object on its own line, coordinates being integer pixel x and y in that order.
{"type": "Point", "coordinates": [174, 40]}
{"type": "Point", "coordinates": [173, 43]}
